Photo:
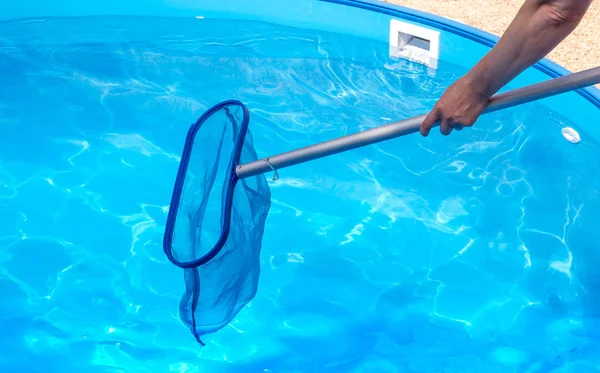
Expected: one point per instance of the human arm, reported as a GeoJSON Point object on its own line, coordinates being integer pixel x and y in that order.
{"type": "Point", "coordinates": [539, 26]}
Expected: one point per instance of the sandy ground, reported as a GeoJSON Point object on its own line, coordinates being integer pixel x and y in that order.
{"type": "Point", "coordinates": [579, 51]}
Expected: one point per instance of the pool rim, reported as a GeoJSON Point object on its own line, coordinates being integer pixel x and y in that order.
{"type": "Point", "coordinates": [545, 65]}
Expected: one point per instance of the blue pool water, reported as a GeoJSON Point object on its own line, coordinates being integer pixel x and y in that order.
{"type": "Point", "coordinates": [471, 253]}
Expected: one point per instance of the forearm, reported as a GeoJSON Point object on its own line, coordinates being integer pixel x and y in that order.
{"type": "Point", "coordinates": [539, 27]}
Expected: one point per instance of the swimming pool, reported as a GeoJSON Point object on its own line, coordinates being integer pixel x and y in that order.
{"type": "Point", "coordinates": [474, 252]}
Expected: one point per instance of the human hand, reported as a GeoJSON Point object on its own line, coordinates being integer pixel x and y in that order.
{"type": "Point", "coordinates": [460, 106]}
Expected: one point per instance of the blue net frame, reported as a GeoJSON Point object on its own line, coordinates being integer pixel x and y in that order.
{"type": "Point", "coordinates": [216, 221]}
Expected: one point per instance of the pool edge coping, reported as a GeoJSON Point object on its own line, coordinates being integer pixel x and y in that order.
{"type": "Point", "coordinates": [545, 65]}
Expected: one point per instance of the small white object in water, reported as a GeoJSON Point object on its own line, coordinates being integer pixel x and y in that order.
{"type": "Point", "coordinates": [571, 135]}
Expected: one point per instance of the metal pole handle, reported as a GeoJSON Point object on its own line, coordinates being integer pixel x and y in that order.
{"type": "Point", "coordinates": [396, 129]}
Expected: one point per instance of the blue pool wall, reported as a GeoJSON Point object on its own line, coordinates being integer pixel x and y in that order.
{"type": "Point", "coordinates": [460, 44]}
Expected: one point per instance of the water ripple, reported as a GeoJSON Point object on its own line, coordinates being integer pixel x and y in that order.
{"type": "Point", "coordinates": [474, 252]}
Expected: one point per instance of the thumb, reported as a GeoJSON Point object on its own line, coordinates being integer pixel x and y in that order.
{"type": "Point", "coordinates": [429, 122]}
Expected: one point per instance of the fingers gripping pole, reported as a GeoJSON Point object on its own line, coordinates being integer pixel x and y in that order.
{"type": "Point", "coordinates": [396, 129]}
